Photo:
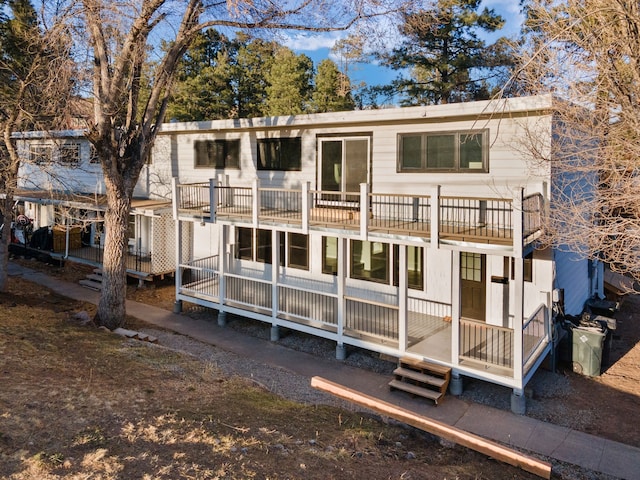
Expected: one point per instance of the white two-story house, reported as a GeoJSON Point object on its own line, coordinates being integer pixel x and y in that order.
{"type": "Point", "coordinates": [412, 232]}
{"type": "Point", "coordinates": [61, 204]}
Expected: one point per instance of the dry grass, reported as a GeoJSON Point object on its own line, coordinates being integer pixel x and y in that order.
{"type": "Point", "coordinates": [76, 402]}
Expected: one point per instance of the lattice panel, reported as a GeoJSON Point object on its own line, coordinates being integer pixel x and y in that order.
{"type": "Point", "coordinates": [163, 237]}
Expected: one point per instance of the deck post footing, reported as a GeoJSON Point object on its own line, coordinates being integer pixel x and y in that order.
{"type": "Point", "coordinates": [222, 319]}
{"type": "Point", "coordinates": [455, 386]}
{"type": "Point", "coordinates": [341, 352]}
{"type": "Point", "coordinates": [177, 306]}
{"type": "Point", "coordinates": [518, 402]}
{"type": "Point", "coordinates": [275, 333]}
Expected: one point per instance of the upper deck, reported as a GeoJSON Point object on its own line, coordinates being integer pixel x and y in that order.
{"type": "Point", "coordinates": [490, 222]}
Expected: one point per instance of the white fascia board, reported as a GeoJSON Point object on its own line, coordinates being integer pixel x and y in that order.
{"type": "Point", "coordinates": [499, 108]}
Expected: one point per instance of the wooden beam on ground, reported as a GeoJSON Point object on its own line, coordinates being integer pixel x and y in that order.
{"type": "Point", "coordinates": [466, 439]}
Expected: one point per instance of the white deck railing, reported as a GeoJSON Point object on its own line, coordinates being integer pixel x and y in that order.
{"type": "Point", "coordinates": [472, 219]}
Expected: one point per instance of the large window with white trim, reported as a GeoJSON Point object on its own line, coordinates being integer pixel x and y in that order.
{"type": "Point", "coordinates": [463, 152]}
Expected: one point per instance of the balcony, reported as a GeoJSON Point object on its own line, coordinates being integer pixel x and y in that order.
{"type": "Point", "coordinates": [496, 221]}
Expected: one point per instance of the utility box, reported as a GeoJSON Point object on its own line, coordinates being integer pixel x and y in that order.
{"type": "Point", "coordinates": [587, 347]}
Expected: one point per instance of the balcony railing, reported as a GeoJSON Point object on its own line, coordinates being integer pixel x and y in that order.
{"type": "Point", "coordinates": [485, 344]}
{"type": "Point", "coordinates": [468, 219]}
{"type": "Point", "coordinates": [535, 332]}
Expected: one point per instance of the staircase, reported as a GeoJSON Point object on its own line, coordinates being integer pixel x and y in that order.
{"type": "Point", "coordinates": [421, 378]}
{"type": "Point", "coordinates": [93, 280]}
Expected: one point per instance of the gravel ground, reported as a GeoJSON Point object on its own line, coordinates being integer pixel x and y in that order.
{"type": "Point", "coordinates": [297, 387]}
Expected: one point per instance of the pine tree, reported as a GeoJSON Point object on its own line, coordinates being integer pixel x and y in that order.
{"type": "Point", "coordinates": [447, 60]}
{"type": "Point", "coordinates": [289, 89]}
{"type": "Point", "coordinates": [332, 90]}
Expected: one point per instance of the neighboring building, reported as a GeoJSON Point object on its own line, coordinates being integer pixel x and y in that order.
{"type": "Point", "coordinates": [61, 203]}
{"type": "Point", "coordinates": [411, 231]}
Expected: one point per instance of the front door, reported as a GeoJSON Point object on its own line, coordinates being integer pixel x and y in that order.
{"type": "Point", "coordinates": [344, 165]}
{"type": "Point", "coordinates": [473, 285]}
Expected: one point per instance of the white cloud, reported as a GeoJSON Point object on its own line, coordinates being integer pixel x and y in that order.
{"type": "Point", "coordinates": [311, 42]}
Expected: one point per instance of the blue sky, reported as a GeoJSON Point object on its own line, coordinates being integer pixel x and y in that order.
{"type": "Point", "coordinates": [318, 46]}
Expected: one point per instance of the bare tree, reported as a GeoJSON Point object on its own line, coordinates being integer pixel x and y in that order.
{"type": "Point", "coordinates": [35, 86]}
{"type": "Point", "coordinates": [587, 54]}
{"type": "Point", "coordinates": [121, 36]}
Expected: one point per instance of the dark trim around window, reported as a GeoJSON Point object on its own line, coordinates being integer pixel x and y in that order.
{"type": "Point", "coordinates": [283, 154]}
{"type": "Point", "coordinates": [218, 154]}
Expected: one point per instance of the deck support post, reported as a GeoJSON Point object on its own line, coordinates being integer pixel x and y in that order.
{"type": "Point", "coordinates": [518, 402]}
{"type": "Point", "coordinates": [255, 197]}
{"type": "Point", "coordinates": [222, 318]}
{"type": "Point", "coordinates": [435, 217]}
{"type": "Point", "coordinates": [364, 211]}
{"type": "Point", "coordinates": [306, 206]}
{"type": "Point", "coordinates": [455, 385]}
{"type": "Point", "coordinates": [403, 316]}
{"type": "Point", "coordinates": [341, 351]}
{"type": "Point", "coordinates": [455, 308]}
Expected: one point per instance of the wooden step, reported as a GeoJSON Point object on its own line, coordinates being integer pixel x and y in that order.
{"type": "Point", "coordinates": [416, 390]}
{"type": "Point", "coordinates": [420, 377]}
{"type": "Point", "coordinates": [94, 277]}
{"type": "Point", "coordinates": [422, 365]}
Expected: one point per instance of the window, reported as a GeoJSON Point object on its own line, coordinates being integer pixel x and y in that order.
{"type": "Point", "coordinates": [370, 261]}
{"type": "Point", "coordinates": [415, 270]}
{"type": "Point", "coordinates": [264, 246]}
{"type": "Point", "coordinates": [527, 268]}
{"type": "Point", "coordinates": [280, 154]}
{"type": "Point", "coordinates": [69, 154]}
{"type": "Point", "coordinates": [244, 243]}
{"type": "Point", "coordinates": [294, 245]}
{"type": "Point", "coordinates": [217, 153]}
{"type": "Point", "coordinates": [443, 152]}
{"type": "Point", "coordinates": [298, 251]}
{"type": "Point", "coordinates": [330, 255]}
{"type": "Point", "coordinates": [40, 154]}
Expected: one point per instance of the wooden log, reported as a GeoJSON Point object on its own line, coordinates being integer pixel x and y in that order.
{"type": "Point", "coordinates": [466, 439]}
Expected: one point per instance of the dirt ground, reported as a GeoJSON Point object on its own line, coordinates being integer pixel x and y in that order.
{"type": "Point", "coordinates": [77, 403]}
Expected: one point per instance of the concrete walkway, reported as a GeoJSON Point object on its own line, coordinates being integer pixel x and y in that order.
{"type": "Point", "coordinates": [534, 436]}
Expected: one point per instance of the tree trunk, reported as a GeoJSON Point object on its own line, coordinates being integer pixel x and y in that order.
{"type": "Point", "coordinates": [112, 306]}
{"type": "Point", "coordinates": [5, 219]}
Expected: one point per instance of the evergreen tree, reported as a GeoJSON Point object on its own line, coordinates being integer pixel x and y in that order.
{"type": "Point", "coordinates": [252, 65]}
{"type": "Point", "coordinates": [332, 91]}
{"type": "Point", "coordinates": [290, 87]}
{"type": "Point", "coordinates": [204, 88]}
{"type": "Point", "coordinates": [447, 60]}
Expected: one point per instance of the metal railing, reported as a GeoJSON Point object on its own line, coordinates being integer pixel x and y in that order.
{"type": "Point", "coordinates": [532, 214]}
{"type": "Point", "coordinates": [486, 344]}
{"type": "Point", "coordinates": [193, 198]}
{"type": "Point", "coordinates": [535, 332]}
{"type": "Point", "coordinates": [485, 220]}
{"type": "Point", "coordinates": [201, 276]}
{"type": "Point", "coordinates": [400, 212]}
{"type": "Point", "coordinates": [307, 305]}
{"type": "Point", "coordinates": [248, 292]}
{"type": "Point", "coordinates": [234, 201]}
{"type": "Point", "coordinates": [281, 204]}
{"type": "Point", "coordinates": [335, 208]}
{"type": "Point", "coordinates": [473, 218]}
{"type": "Point", "coordinates": [135, 261]}
{"type": "Point", "coordinates": [371, 318]}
